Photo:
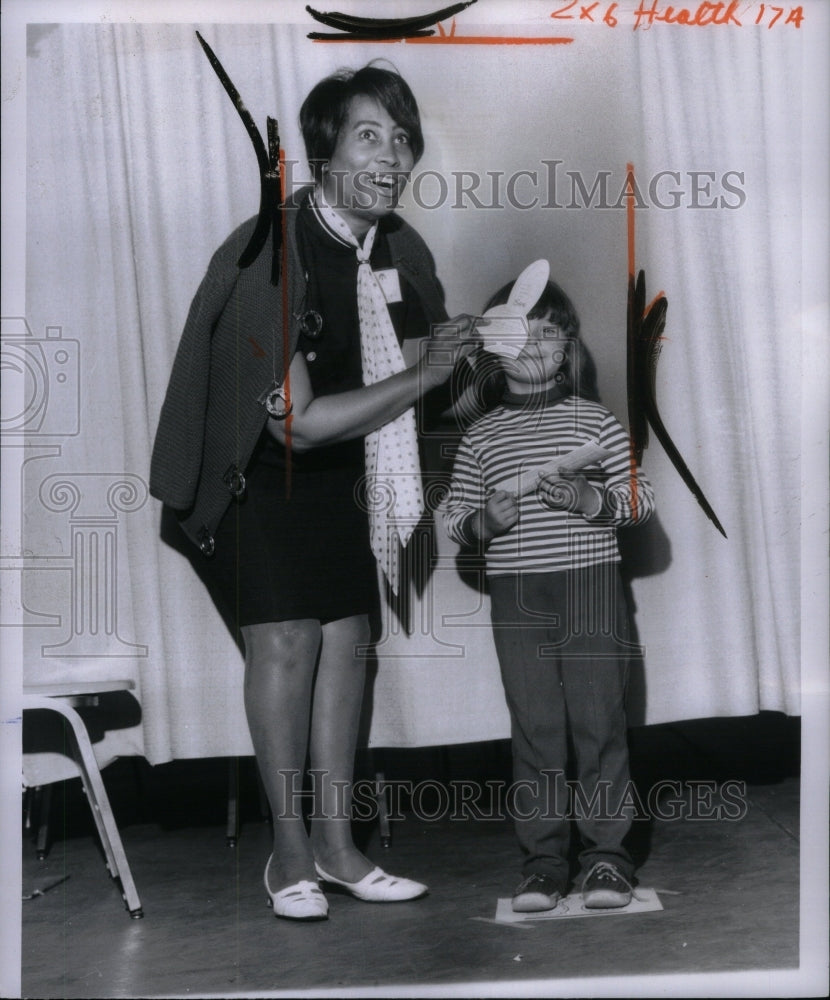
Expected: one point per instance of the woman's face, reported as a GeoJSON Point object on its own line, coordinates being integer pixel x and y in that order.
{"type": "Point", "coordinates": [541, 358]}
{"type": "Point", "coordinates": [369, 167]}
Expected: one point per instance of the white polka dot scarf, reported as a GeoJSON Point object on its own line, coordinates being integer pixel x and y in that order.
{"type": "Point", "coordinates": [393, 472]}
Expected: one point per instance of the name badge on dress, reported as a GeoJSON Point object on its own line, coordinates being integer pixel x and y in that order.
{"type": "Point", "coordinates": [390, 284]}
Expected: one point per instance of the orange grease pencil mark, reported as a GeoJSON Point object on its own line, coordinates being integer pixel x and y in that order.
{"type": "Point", "coordinates": [486, 40]}
{"type": "Point", "coordinates": [286, 334]}
{"type": "Point", "coordinates": [453, 40]}
{"type": "Point", "coordinates": [645, 326]}
{"type": "Point", "coordinates": [648, 308]}
{"type": "Point", "coordinates": [629, 213]}
{"type": "Point", "coordinates": [442, 38]}
{"type": "Point", "coordinates": [632, 476]}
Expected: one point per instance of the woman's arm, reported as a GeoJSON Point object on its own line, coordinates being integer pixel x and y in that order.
{"type": "Point", "coordinates": [323, 420]}
{"type": "Point", "coordinates": [464, 402]}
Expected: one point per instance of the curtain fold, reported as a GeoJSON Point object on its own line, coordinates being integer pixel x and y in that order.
{"type": "Point", "coordinates": [730, 371]}
{"type": "Point", "coordinates": [138, 167]}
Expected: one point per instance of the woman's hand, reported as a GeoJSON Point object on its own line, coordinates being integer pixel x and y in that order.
{"type": "Point", "coordinates": [449, 341]}
{"type": "Point", "coordinates": [569, 491]}
{"type": "Point", "coordinates": [318, 421]}
{"type": "Point", "coordinates": [325, 420]}
{"type": "Point", "coordinates": [500, 513]}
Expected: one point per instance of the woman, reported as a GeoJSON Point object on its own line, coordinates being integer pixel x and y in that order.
{"type": "Point", "coordinates": [265, 468]}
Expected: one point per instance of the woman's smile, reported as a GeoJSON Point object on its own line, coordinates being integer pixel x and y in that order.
{"type": "Point", "coordinates": [369, 167]}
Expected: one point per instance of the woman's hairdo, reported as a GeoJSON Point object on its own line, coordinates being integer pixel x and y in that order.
{"type": "Point", "coordinates": [326, 108]}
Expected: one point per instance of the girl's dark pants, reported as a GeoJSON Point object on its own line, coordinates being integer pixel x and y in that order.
{"type": "Point", "coordinates": [563, 641]}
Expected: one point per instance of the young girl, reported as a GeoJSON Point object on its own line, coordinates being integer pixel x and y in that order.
{"type": "Point", "coordinates": [560, 621]}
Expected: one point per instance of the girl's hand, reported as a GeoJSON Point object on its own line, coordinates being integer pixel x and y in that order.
{"type": "Point", "coordinates": [449, 341]}
{"type": "Point", "coordinates": [500, 513]}
{"type": "Point", "coordinates": [569, 491]}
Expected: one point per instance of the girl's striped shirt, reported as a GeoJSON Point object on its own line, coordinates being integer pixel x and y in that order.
{"type": "Point", "coordinates": [521, 435]}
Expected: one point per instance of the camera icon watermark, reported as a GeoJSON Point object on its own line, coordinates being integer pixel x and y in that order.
{"type": "Point", "coordinates": [42, 407]}
{"type": "Point", "coordinates": [41, 375]}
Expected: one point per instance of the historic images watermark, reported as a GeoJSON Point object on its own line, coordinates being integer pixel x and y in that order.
{"type": "Point", "coordinates": [553, 186]}
{"type": "Point", "coordinates": [548, 185]}
{"type": "Point", "coordinates": [553, 797]}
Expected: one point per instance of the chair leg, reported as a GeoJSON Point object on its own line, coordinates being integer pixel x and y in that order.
{"type": "Point", "coordinates": [382, 800]}
{"type": "Point", "coordinates": [44, 813]}
{"type": "Point", "coordinates": [99, 802]}
{"type": "Point", "coordinates": [105, 821]}
{"type": "Point", "coordinates": [264, 804]}
{"type": "Point", "coordinates": [28, 808]}
{"type": "Point", "coordinates": [31, 808]}
{"type": "Point", "coordinates": [232, 827]}
{"type": "Point", "coordinates": [381, 796]}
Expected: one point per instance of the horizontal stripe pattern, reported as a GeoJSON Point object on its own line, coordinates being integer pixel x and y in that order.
{"type": "Point", "coordinates": [508, 441]}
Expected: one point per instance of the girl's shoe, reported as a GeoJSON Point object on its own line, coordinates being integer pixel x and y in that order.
{"type": "Point", "coordinates": [605, 887]}
{"type": "Point", "coordinates": [378, 887]}
{"type": "Point", "coordinates": [535, 894]}
{"type": "Point", "coordinates": [302, 901]}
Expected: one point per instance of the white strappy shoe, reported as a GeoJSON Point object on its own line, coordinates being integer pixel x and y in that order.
{"type": "Point", "coordinates": [302, 901]}
{"type": "Point", "coordinates": [378, 887]}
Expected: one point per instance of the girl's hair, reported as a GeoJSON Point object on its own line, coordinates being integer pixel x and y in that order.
{"type": "Point", "coordinates": [578, 372]}
{"type": "Point", "coordinates": [326, 108]}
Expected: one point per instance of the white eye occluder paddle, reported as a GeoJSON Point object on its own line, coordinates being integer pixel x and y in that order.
{"type": "Point", "coordinates": [507, 329]}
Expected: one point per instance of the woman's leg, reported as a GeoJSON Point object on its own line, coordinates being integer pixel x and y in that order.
{"type": "Point", "coordinates": [280, 660]}
{"type": "Point", "coordinates": [338, 697]}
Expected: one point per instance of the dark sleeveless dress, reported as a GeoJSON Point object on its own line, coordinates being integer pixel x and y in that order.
{"type": "Point", "coordinates": [296, 544]}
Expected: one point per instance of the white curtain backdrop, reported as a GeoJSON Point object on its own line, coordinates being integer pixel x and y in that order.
{"type": "Point", "coordinates": [730, 372]}
{"type": "Point", "coordinates": [138, 167]}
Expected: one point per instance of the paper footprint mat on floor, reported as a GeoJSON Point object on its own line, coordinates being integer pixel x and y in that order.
{"type": "Point", "coordinates": [572, 906]}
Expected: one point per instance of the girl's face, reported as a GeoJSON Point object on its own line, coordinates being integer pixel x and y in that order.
{"type": "Point", "coordinates": [542, 357]}
{"type": "Point", "coordinates": [369, 167]}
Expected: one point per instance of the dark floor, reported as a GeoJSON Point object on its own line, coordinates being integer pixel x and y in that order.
{"type": "Point", "coordinates": [729, 886]}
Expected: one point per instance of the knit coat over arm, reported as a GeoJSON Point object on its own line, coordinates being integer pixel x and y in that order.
{"type": "Point", "coordinates": [233, 347]}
